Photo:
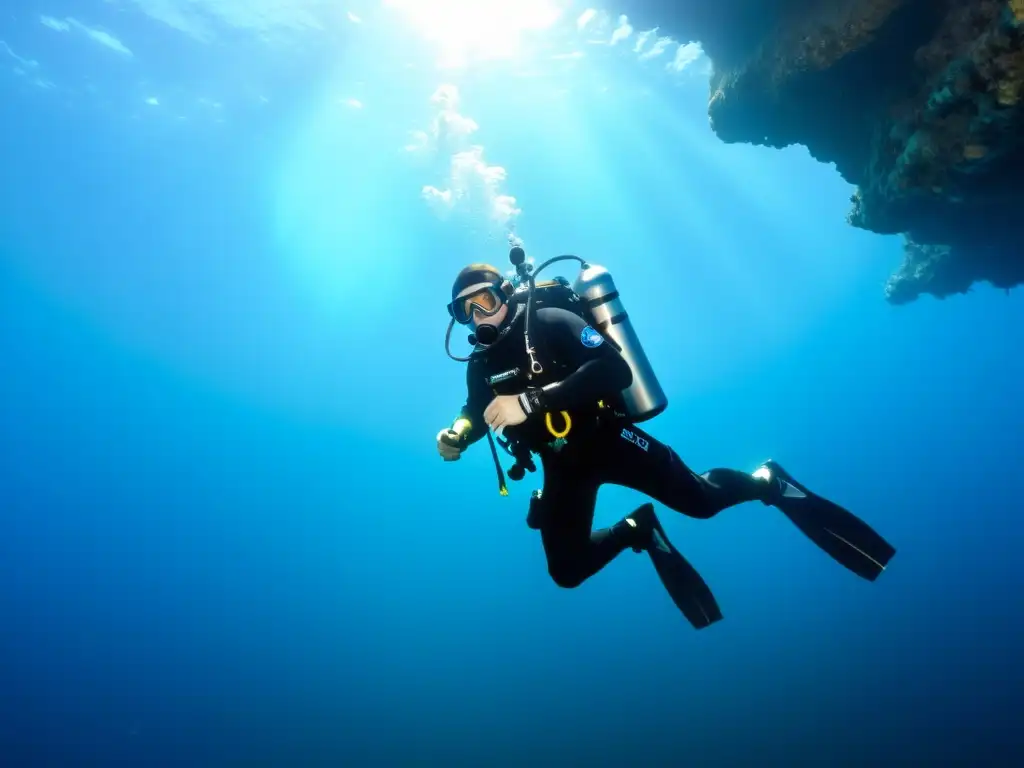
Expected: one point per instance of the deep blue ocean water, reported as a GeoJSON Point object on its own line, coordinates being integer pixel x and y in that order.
{"type": "Point", "coordinates": [226, 538]}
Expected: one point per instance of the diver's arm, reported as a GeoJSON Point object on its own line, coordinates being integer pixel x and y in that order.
{"type": "Point", "coordinates": [599, 371]}
{"type": "Point", "coordinates": [469, 425]}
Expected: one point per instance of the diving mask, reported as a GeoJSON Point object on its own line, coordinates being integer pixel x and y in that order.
{"type": "Point", "coordinates": [485, 298]}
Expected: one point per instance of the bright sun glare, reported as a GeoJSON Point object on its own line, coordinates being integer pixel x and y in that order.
{"type": "Point", "coordinates": [478, 29]}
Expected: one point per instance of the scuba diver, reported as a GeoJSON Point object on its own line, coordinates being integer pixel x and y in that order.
{"type": "Point", "coordinates": [557, 371]}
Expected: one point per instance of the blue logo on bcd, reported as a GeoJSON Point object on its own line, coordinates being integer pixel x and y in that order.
{"type": "Point", "coordinates": [591, 338]}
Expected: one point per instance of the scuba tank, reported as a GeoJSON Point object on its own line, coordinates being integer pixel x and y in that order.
{"type": "Point", "coordinates": [645, 398]}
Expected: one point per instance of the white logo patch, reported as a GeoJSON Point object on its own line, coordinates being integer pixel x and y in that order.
{"type": "Point", "coordinates": [503, 376]}
{"type": "Point", "coordinates": [635, 439]}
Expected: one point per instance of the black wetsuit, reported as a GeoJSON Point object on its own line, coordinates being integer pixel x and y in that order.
{"type": "Point", "coordinates": [602, 446]}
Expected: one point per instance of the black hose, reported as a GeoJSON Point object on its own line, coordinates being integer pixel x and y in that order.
{"type": "Point", "coordinates": [502, 488]}
{"type": "Point", "coordinates": [532, 279]}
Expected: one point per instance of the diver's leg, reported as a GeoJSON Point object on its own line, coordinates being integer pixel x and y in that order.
{"type": "Point", "coordinates": [564, 512]}
{"type": "Point", "coordinates": [635, 459]}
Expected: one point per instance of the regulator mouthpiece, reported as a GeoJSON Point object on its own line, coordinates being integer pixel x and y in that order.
{"type": "Point", "coordinates": [486, 334]}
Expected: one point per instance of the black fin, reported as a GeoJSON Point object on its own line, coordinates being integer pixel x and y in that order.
{"type": "Point", "coordinates": [838, 532]}
{"type": "Point", "coordinates": [684, 584]}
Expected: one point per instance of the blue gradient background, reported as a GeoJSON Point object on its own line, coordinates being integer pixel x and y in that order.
{"type": "Point", "coordinates": [226, 537]}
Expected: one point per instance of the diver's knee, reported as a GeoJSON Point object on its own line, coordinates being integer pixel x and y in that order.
{"type": "Point", "coordinates": [698, 502]}
{"type": "Point", "coordinates": [565, 577]}
{"type": "Point", "coordinates": [702, 509]}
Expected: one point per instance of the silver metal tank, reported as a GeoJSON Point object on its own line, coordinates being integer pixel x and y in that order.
{"type": "Point", "coordinates": [645, 398]}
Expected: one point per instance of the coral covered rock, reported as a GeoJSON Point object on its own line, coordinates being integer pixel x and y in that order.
{"type": "Point", "coordinates": [919, 103]}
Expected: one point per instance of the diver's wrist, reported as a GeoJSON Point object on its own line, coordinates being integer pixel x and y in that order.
{"type": "Point", "coordinates": [533, 401]}
{"type": "Point", "coordinates": [462, 427]}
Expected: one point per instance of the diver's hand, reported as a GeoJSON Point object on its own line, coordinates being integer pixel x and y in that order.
{"type": "Point", "coordinates": [504, 411]}
{"type": "Point", "coordinates": [449, 445]}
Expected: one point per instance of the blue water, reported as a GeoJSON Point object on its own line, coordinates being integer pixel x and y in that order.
{"type": "Point", "coordinates": [227, 538]}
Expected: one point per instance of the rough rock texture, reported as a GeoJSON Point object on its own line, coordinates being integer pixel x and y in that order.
{"type": "Point", "coordinates": [917, 102]}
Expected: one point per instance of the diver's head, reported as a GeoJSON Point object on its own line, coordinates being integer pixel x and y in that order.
{"type": "Point", "coordinates": [480, 300]}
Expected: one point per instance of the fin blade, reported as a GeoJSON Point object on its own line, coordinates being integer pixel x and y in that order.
{"type": "Point", "coordinates": [686, 587]}
{"type": "Point", "coordinates": [838, 532]}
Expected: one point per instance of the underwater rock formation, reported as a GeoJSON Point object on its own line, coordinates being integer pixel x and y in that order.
{"type": "Point", "coordinates": [918, 103]}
